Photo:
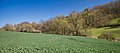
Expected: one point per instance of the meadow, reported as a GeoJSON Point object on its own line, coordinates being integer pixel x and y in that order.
{"type": "Point", "coordinates": [115, 31]}
{"type": "Point", "coordinates": [20, 42]}
{"type": "Point", "coordinates": [98, 31]}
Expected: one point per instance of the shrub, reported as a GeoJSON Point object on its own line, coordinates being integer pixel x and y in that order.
{"type": "Point", "coordinates": [106, 35]}
{"type": "Point", "coordinates": [1, 29]}
{"type": "Point", "coordinates": [9, 27]}
{"type": "Point", "coordinates": [84, 35]}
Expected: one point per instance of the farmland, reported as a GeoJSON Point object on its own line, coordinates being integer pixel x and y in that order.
{"type": "Point", "coordinates": [19, 42]}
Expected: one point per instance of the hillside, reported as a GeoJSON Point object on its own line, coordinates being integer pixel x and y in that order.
{"type": "Point", "coordinates": [19, 42]}
{"type": "Point", "coordinates": [98, 31]}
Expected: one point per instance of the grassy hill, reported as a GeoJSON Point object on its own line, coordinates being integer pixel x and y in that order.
{"type": "Point", "coordinates": [48, 43]}
{"type": "Point", "coordinates": [115, 21]}
{"type": "Point", "coordinates": [113, 28]}
{"type": "Point", "coordinates": [98, 31]}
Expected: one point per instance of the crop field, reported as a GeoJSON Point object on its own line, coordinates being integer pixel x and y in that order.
{"type": "Point", "coordinates": [18, 42]}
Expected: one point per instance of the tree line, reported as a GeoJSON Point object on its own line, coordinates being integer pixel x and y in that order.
{"type": "Point", "coordinates": [76, 23]}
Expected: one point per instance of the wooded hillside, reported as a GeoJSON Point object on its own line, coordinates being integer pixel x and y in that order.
{"type": "Point", "coordinates": [76, 23]}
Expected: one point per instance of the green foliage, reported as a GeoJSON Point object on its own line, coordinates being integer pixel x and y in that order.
{"type": "Point", "coordinates": [16, 42]}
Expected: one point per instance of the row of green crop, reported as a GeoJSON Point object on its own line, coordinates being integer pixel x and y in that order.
{"type": "Point", "coordinates": [14, 42]}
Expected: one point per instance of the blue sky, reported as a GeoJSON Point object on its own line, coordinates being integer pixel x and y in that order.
{"type": "Point", "coordinates": [16, 11]}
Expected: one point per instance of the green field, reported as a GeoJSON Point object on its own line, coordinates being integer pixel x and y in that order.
{"type": "Point", "coordinates": [18, 42]}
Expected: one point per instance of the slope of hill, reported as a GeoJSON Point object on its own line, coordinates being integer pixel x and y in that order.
{"type": "Point", "coordinates": [115, 21]}
{"type": "Point", "coordinates": [98, 31]}
{"type": "Point", "coordinates": [48, 43]}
